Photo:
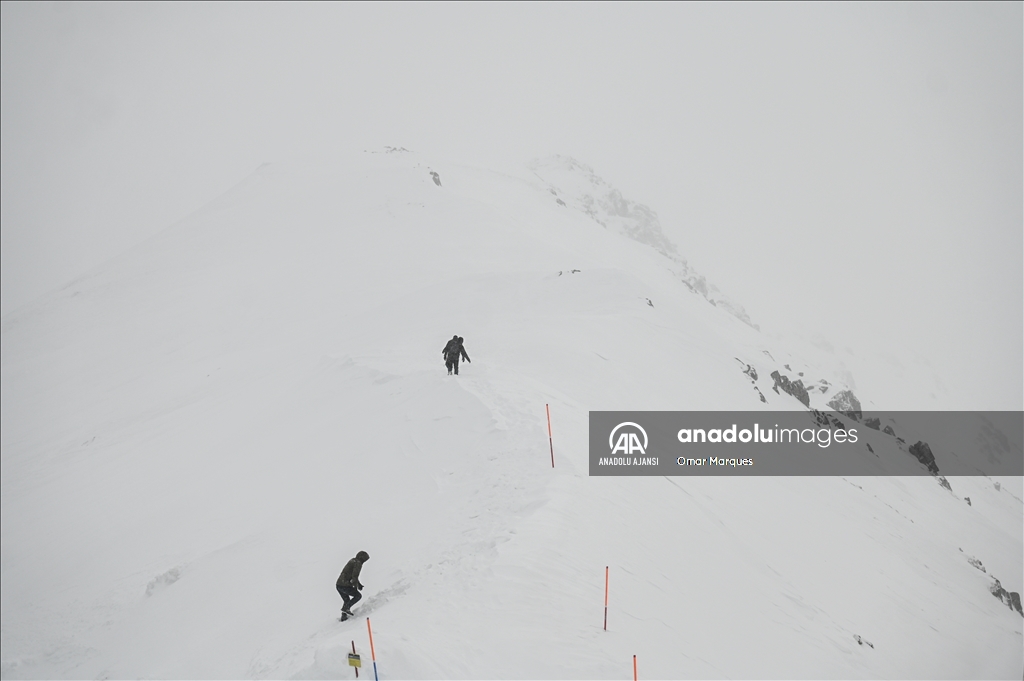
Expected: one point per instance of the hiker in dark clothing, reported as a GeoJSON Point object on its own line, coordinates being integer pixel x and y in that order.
{"type": "Point", "coordinates": [451, 353]}
{"type": "Point", "coordinates": [349, 585]}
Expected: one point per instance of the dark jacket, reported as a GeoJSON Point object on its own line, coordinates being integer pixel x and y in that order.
{"type": "Point", "coordinates": [350, 574]}
{"type": "Point", "coordinates": [452, 351]}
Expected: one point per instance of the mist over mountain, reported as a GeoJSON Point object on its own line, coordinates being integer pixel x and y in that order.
{"type": "Point", "coordinates": [201, 432]}
{"type": "Point", "coordinates": [606, 206]}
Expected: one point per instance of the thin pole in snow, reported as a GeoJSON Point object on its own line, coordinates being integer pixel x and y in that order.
{"type": "Point", "coordinates": [634, 668]}
{"type": "Point", "coordinates": [551, 442]}
{"type": "Point", "coordinates": [606, 598]}
{"type": "Point", "coordinates": [373, 653]}
{"type": "Point", "coordinates": [354, 652]}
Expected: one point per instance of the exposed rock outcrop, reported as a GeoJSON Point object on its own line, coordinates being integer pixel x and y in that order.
{"type": "Point", "coordinates": [873, 423]}
{"type": "Point", "coordinates": [827, 420]}
{"type": "Point", "coordinates": [795, 388]}
{"type": "Point", "coordinates": [923, 453]}
{"type": "Point", "coordinates": [163, 580]}
{"type": "Point", "coordinates": [750, 371]}
{"type": "Point", "coordinates": [845, 402]}
{"type": "Point", "coordinates": [863, 641]}
{"type": "Point", "coordinates": [1010, 598]}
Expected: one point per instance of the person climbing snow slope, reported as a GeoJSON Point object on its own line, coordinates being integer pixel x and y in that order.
{"type": "Point", "coordinates": [349, 585]}
{"type": "Point", "coordinates": [451, 353]}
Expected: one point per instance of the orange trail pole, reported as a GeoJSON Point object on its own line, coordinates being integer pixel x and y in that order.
{"type": "Point", "coordinates": [373, 653]}
{"type": "Point", "coordinates": [551, 442]}
{"type": "Point", "coordinates": [634, 668]}
{"type": "Point", "coordinates": [606, 598]}
{"type": "Point", "coordinates": [354, 652]}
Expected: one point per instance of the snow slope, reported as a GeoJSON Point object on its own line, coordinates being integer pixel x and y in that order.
{"type": "Point", "coordinates": [199, 434]}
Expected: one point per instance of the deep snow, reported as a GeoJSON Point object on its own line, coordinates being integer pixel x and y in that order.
{"type": "Point", "coordinates": [197, 436]}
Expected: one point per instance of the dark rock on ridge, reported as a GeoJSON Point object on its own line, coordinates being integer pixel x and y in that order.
{"type": "Point", "coordinates": [923, 453]}
{"type": "Point", "coordinates": [795, 388]}
{"type": "Point", "coordinates": [1010, 598]}
{"type": "Point", "coordinates": [845, 402]}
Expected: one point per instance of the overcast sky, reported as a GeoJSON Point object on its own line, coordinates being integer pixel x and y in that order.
{"type": "Point", "coordinates": [852, 168]}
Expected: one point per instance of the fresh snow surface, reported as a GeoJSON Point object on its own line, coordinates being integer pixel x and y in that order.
{"type": "Point", "coordinates": [198, 435]}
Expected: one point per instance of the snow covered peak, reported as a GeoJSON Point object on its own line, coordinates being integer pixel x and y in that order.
{"type": "Point", "coordinates": [584, 190]}
{"type": "Point", "coordinates": [198, 435]}
{"type": "Point", "coordinates": [576, 185]}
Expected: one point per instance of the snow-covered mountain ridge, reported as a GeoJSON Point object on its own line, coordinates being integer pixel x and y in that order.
{"type": "Point", "coordinates": [199, 434]}
{"type": "Point", "coordinates": [606, 205]}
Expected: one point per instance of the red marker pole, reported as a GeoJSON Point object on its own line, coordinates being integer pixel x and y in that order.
{"type": "Point", "coordinates": [373, 653]}
{"type": "Point", "coordinates": [551, 442]}
{"type": "Point", "coordinates": [606, 598]}
{"type": "Point", "coordinates": [634, 668]}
